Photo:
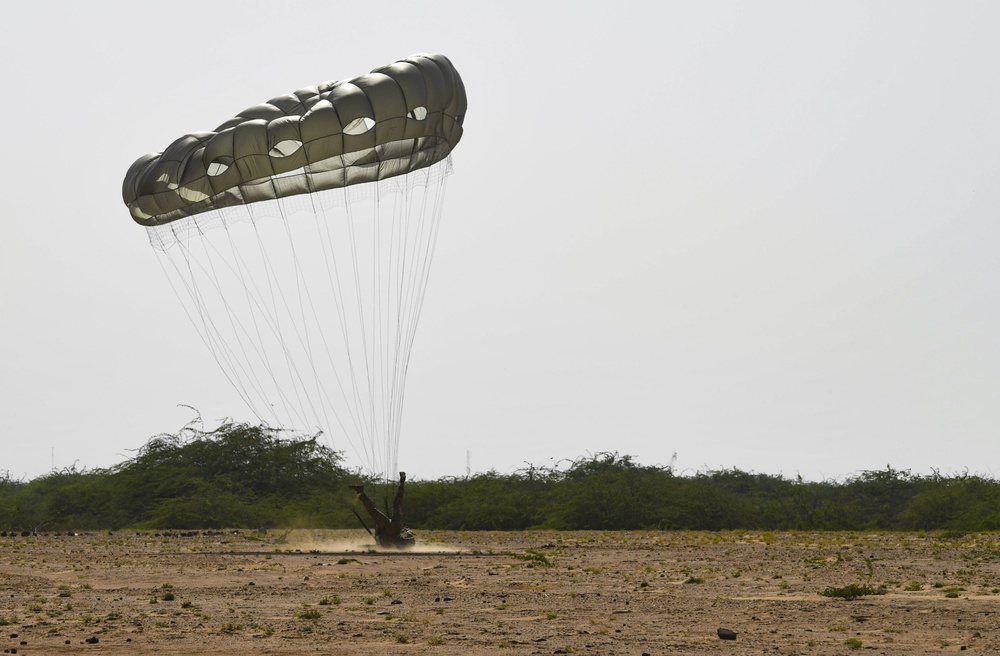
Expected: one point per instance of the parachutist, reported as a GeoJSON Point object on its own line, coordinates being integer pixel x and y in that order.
{"type": "Point", "coordinates": [389, 530]}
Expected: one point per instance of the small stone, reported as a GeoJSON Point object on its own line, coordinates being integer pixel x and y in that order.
{"type": "Point", "coordinates": [726, 634]}
{"type": "Point", "coordinates": [92, 640]}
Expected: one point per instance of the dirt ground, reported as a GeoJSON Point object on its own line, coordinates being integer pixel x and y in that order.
{"type": "Point", "coordinates": [538, 592]}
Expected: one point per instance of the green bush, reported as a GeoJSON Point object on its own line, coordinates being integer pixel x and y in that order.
{"type": "Point", "coordinates": [853, 591]}
{"type": "Point", "coordinates": [251, 476]}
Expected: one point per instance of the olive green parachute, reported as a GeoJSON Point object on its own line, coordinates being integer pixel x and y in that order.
{"type": "Point", "coordinates": [399, 118]}
{"type": "Point", "coordinates": [298, 237]}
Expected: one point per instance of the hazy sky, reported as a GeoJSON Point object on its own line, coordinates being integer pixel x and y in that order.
{"type": "Point", "coordinates": [759, 235]}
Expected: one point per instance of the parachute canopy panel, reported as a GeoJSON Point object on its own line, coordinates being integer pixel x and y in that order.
{"type": "Point", "coordinates": [399, 118]}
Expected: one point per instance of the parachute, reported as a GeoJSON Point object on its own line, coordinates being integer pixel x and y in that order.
{"type": "Point", "coordinates": [299, 237]}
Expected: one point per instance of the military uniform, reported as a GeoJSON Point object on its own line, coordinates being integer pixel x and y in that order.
{"type": "Point", "coordinates": [389, 530]}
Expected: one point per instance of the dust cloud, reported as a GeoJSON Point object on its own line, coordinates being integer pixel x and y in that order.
{"type": "Point", "coordinates": [367, 545]}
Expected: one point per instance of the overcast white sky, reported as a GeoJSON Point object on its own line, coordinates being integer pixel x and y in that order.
{"type": "Point", "coordinates": [759, 235]}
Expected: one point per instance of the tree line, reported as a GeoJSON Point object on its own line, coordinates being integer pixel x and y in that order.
{"type": "Point", "coordinates": [244, 476]}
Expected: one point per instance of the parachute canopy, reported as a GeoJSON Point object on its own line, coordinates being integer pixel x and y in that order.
{"type": "Point", "coordinates": [399, 118]}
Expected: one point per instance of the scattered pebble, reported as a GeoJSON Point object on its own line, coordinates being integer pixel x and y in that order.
{"type": "Point", "coordinates": [726, 634]}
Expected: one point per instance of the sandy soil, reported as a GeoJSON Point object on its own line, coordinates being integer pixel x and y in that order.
{"type": "Point", "coordinates": [327, 592]}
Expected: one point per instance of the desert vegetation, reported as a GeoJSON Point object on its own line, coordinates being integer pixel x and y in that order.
{"type": "Point", "coordinates": [244, 476]}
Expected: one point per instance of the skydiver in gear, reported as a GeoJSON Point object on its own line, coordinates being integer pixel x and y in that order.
{"type": "Point", "coordinates": [389, 530]}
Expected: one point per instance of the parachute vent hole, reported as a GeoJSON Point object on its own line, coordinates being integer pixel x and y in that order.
{"type": "Point", "coordinates": [285, 148]}
{"type": "Point", "coordinates": [165, 179]}
{"type": "Point", "coordinates": [359, 125]}
{"type": "Point", "coordinates": [217, 167]}
{"type": "Point", "coordinates": [419, 113]}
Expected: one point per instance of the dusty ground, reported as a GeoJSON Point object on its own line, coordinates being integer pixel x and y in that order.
{"type": "Point", "coordinates": [523, 593]}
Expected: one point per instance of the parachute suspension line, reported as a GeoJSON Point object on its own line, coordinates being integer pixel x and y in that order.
{"type": "Point", "coordinates": [304, 296]}
{"type": "Point", "coordinates": [400, 224]}
{"type": "Point", "coordinates": [237, 267]}
{"type": "Point", "coordinates": [384, 245]}
{"type": "Point", "coordinates": [246, 369]}
{"type": "Point", "coordinates": [395, 245]}
{"type": "Point", "coordinates": [412, 239]}
{"type": "Point", "coordinates": [367, 437]}
{"type": "Point", "coordinates": [355, 408]}
{"type": "Point", "coordinates": [256, 307]}
{"type": "Point", "coordinates": [378, 356]}
{"type": "Point", "coordinates": [380, 332]}
{"type": "Point", "coordinates": [284, 286]}
{"type": "Point", "coordinates": [211, 334]}
{"type": "Point", "coordinates": [402, 215]}
{"type": "Point", "coordinates": [235, 324]}
{"type": "Point", "coordinates": [203, 332]}
{"type": "Point", "coordinates": [391, 291]}
{"type": "Point", "coordinates": [322, 223]}
{"type": "Point", "coordinates": [434, 219]}
{"type": "Point", "coordinates": [390, 329]}
{"type": "Point", "coordinates": [241, 272]}
{"type": "Point", "coordinates": [270, 306]}
{"type": "Point", "coordinates": [276, 292]}
{"type": "Point", "coordinates": [391, 305]}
